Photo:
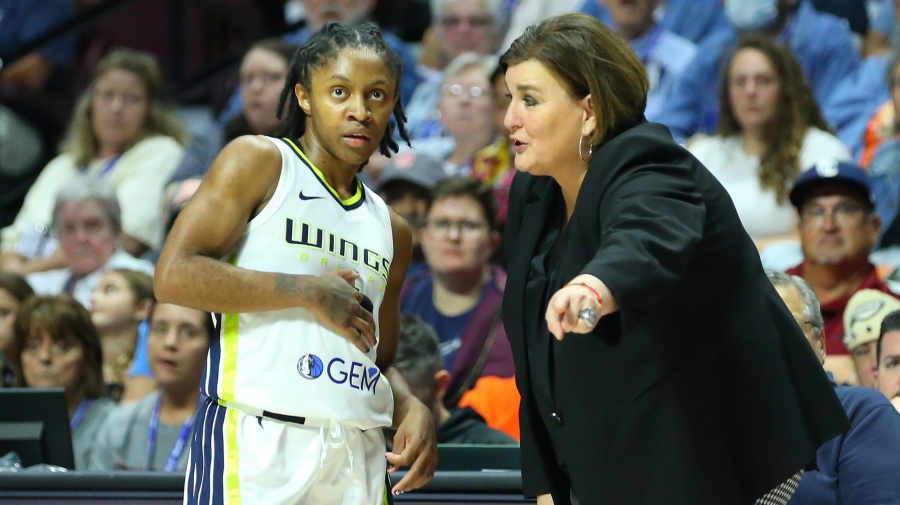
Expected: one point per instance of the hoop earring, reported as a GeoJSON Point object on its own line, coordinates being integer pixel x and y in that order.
{"type": "Point", "coordinates": [581, 150]}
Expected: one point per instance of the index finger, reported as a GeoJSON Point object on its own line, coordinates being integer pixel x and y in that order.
{"type": "Point", "coordinates": [348, 275]}
{"type": "Point", "coordinates": [418, 475]}
{"type": "Point", "coordinates": [405, 456]}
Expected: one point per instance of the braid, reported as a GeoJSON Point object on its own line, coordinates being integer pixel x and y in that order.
{"type": "Point", "coordinates": [325, 45]}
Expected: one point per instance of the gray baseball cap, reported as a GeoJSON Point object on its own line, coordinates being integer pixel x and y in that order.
{"type": "Point", "coordinates": [420, 169]}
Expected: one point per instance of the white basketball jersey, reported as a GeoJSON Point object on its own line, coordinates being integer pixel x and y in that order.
{"type": "Point", "coordinates": [284, 361]}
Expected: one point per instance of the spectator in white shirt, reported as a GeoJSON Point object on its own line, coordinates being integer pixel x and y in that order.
{"type": "Point", "coordinates": [769, 130]}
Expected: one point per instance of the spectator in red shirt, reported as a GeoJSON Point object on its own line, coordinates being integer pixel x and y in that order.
{"type": "Point", "coordinates": [838, 227]}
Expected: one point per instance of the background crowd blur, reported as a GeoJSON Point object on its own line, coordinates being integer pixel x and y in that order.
{"type": "Point", "coordinates": [112, 111]}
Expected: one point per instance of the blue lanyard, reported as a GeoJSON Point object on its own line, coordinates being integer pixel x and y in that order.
{"type": "Point", "coordinates": [78, 416]}
{"type": "Point", "coordinates": [177, 449]}
{"type": "Point", "coordinates": [109, 165]}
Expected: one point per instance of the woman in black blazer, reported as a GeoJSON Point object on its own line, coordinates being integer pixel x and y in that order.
{"type": "Point", "coordinates": [656, 363]}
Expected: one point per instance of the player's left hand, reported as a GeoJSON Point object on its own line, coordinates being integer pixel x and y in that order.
{"type": "Point", "coordinates": [415, 445]}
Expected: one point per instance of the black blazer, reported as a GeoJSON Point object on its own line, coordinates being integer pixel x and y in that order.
{"type": "Point", "coordinates": [701, 389]}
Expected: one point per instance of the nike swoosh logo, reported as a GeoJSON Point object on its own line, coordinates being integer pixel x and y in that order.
{"type": "Point", "coordinates": [309, 197]}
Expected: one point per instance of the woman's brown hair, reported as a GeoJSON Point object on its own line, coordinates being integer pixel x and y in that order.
{"type": "Point", "coordinates": [140, 284]}
{"type": "Point", "coordinates": [16, 285]}
{"type": "Point", "coordinates": [162, 118]}
{"type": "Point", "coordinates": [64, 319]}
{"type": "Point", "coordinates": [796, 112]}
{"type": "Point", "coordinates": [590, 59]}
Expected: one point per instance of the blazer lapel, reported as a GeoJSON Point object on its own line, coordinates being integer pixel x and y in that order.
{"type": "Point", "coordinates": [534, 216]}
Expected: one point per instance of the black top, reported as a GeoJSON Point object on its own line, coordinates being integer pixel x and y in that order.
{"type": "Point", "coordinates": [466, 426]}
{"type": "Point", "coordinates": [701, 388]}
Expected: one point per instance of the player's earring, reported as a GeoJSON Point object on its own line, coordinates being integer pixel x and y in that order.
{"type": "Point", "coordinates": [581, 149]}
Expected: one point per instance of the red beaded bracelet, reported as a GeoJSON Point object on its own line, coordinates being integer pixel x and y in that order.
{"type": "Point", "coordinates": [599, 298]}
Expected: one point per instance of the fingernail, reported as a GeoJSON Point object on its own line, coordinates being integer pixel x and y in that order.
{"type": "Point", "coordinates": [398, 492]}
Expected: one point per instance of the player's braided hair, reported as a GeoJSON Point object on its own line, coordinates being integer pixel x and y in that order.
{"type": "Point", "coordinates": [323, 46]}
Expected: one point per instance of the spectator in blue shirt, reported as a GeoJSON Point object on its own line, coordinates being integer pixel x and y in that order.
{"type": "Point", "coordinates": [861, 466]}
{"type": "Point", "coordinates": [22, 21]}
{"type": "Point", "coordinates": [689, 19]}
{"type": "Point", "coordinates": [353, 12]}
{"type": "Point", "coordinates": [820, 41]}
{"type": "Point", "coordinates": [855, 99]}
{"type": "Point", "coordinates": [31, 120]}
{"type": "Point", "coordinates": [859, 95]}
{"type": "Point", "coordinates": [664, 54]}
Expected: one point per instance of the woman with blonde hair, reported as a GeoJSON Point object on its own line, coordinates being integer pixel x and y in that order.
{"type": "Point", "coordinates": [124, 129]}
{"type": "Point", "coordinates": [770, 129]}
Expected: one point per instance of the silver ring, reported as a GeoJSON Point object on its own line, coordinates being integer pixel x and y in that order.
{"type": "Point", "coordinates": [589, 316]}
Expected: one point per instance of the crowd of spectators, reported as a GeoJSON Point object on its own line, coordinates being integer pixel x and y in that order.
{"type": "Point", "coordinates": [793, 105]}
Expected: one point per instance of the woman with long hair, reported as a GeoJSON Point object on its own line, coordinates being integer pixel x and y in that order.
{"type": "Point", "coordinates": [124, 129]}
{"type": "Point", "coordinates": [56, 346]}
{"type": "Point", "coordinates": [770, 129]}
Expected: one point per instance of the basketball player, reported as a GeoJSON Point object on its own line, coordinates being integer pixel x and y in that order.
{"type": "Point", "coordinates": [304, 265]}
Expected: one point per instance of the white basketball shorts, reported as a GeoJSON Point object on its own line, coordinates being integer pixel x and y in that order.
{"type": "Point", "coordinates": [237, 458]}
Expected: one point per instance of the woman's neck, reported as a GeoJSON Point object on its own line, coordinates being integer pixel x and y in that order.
{"type": "Point", "coordinates": [118, 349]}
{"type": "Point", "coordinates": [457, 292]}
{"type": "Point", "coordinates": [177, 403]}
{"type": "Point", "coordinates": [755, 143]}
{"type": "Point", "coordinates": [338, 174]}
{"type": "Point", "coordinates": [73, 400]}
{"type": "Point", "coordinates": [467, 146]}
{"type": "Point", "coordinates": [108, 150]}
{"type": "Point", "coordinates": [570, 183]}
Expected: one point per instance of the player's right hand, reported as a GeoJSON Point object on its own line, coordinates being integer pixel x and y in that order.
{"type": "Point", "coordinates": [337, 306]}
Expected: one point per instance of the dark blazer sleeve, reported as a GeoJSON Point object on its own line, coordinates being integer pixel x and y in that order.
{"type": "Point", "coordinates": [651, 218]}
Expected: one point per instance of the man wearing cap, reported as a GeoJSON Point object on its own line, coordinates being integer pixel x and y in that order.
{"type": "Point", "coordinates": [862, 325]}
{"type": "Point", "coordinates": [407, 183]}
{"type": "Point", "coordinates": [861, 466]}
{"type": "Point", "coordinates": [838, 227]}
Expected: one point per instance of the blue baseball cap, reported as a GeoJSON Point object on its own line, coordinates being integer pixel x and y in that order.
{"type": "Point", "coordinates": [829, 171]}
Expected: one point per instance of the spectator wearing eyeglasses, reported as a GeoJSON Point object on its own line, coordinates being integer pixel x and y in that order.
{"type": "Point", "coordinates": [467, 110]}
{"type": "Point", "coordinates": [860, 466]}
{"type": "Point", "coordinates": [458, 27]}
{"type": "Point", "coordinates": [838, 227]}
{"type": "Point", "coordinates": [460, 293]}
